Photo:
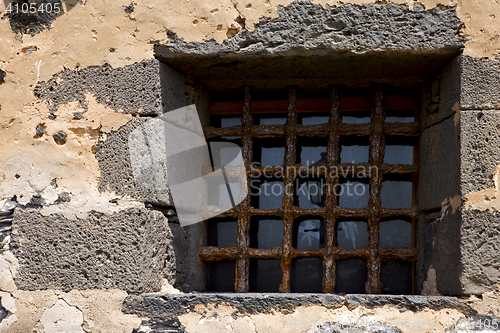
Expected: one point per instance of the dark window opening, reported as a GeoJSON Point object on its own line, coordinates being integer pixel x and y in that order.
{"type": "Point", "coordinates": [332, 185]}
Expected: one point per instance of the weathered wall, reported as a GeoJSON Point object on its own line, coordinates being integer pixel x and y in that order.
{"type": "Point", "coordinates": [65, 93]}
{"type": "Point", "coordinates": [310, 313]}
{"type": "Point", "coordinates": [99, 33]}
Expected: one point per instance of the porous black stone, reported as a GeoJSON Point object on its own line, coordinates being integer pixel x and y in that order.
{"type": "Point", "coordinates": [480, 87]}
{"type": "Point", "coordinates": [78, 116]}
{"type": "Point", "coordinates": [129, 9]}
{"type": "Point", "coordinates": [480, 251]}
{"type": "Point", "coordinates": [63, 197]}
{"type": "Point", "coordinates": [3, 312]}
{"type": "Point", "coordinates": [60, 138]}
{"type": "Point", "coordinates": [31, 23]}
{"type": "Point", "coordinates": [310, 45]}
{"type": "Point", "coordinates": [356, 28]}
{"type": "Point", "coordinates": [39, 131]}
{"type": "Point", "coordinates": [166, 308]}
{"type": "Point", "coordinates": [114, 157]}
{"type": "Point", "coordinates": [124, 250]}
{"type": "Point", "coordinates": [480, 149]}
{"type": "Point", "coordinates": [130, 89]}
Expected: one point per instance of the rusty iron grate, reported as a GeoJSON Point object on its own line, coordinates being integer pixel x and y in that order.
{"type": "Point", "coordinates": [331, 212]}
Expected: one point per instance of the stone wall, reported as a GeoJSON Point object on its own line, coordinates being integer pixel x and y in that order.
{"type": "Point", "coordinates": [81, 240]}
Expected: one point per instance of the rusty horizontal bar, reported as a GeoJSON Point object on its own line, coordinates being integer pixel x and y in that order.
{"type": "Point", "coordinates": [211, 253]}
{"type": "Point", "coordinates": [399, 168]}
{"type": "Point", "coordinates": [274, 253]}
{"type": "Point", "coordinates": [402, 129]}
{"type": "Point", "coordinates": [340, 212]}
{"type": "Point", "coordinates": [231, 213]}
{"type": "Point", "coordinates": [407, 212]}
{"type": "Point", "coordinates": [265, 212]}
{"type": "Point", "coordinates": [403, 254]}
{"type": "Point", "coordinates": [321, 130]}
{"type": "Point", "coordinates": [307, 253]}
{"type": "Point", "coordinates": [358, 170]}
{"type": "Point", "coordinates": [213, 132]}
{"type": "Point", "coordinates": [268, 131]}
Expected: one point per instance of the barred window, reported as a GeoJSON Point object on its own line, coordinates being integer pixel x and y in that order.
{"type": "Point", "coordinates": [332, 200]}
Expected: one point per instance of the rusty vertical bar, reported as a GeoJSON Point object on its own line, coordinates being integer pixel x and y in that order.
{"type": "Point", "coordinates": [332, 161]}
{"type": "Point", "coordinates": [241, 284]}
{"type": "Point", "coordinates": [288, 179]}
{"type": "Point", "coordinates": [377, 150]}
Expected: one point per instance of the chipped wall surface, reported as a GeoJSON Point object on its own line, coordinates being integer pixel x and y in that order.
{"type": "Point", "coordinates": [309, 313]}
{"type": "Point", "coordinates": [97, 33]}
{"type": "Point", "coordinates": [76, 311]}
{"type": "Point", "coordinates": [74, 87]}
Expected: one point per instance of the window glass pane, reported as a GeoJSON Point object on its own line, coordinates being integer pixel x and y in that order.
{"type": "Point", "coordinates": [353, 192]}
{"type": "Point", "coordinates": [354, 149]}
{"type": "Point", "coordinates": [267, 193]}
{"type": "Point", "coordinates": [356, 117]}
{"type": "Point", "coordinates": [273, 156]}
{"type": "Point", "coordinates": [404, 116]}
{"type": "Point", "coordinates": [310, 150]}
{"type": "Point", "coordinates": [315, 120]}
{"type": "Point", "coordinates": [265, 275]}
{"type": "Point", "coordinates": [396, 233]}
{"type": "Point", "coordinates": [311, 155]}
{"type": "Point", "coordinates": [225, 153]}
{"type": "Point", "coordinates": [270, 119]}
{"type": "Point", "coordinates": [398, 150]}
{"type": "Point", "coordinates": [221, 276]}
{"type": "Point", "coordinates": [351, 276]}
{"type": "Point", "coordinates": [269, 152]}
{"type": "Point", "coordinates": [219, 195]}
{"type": "Point", "coordinates": [230, 121]}
{"type": "Point", "coordinates": [395, 277]}
{"type": "Point", "coordinates": [352, 235]}
{"type": "Point", "coordinates": [310, 192]}
{"type": "Point", "coordinates": [306, 275]}
{"type": "Point", "coordinates": [308, 233]}
{"type": "Point", "coordinates": [397, 191]}
{"type": "Point", "coordinates": [222, 232]}
{"type": "Point", "coordinates": [226, 121]}
{"type": "Point", "coordinates": [266, 232]}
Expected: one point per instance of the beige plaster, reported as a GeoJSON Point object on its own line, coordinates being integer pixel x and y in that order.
{"type": "Point", "coordinates": [102, 310]}
{"type": "Point", "coordinates": [8, 269]}
{"type": "Point", "coordinates": [453, 202]}
{"type": "Point", "coordinates": [8, 303]}
{"type": "Point", "coordinates": [30, 306]}
{"type": "Point", "coordinates": [30, 163]}
{"type": "Point", "coordinates": [84, 36]}
{"type": "Point", "coordinates": [487, 199]}
{"type": "Point", "coordinates": [429, 287]}
{"type": "Point", "coordinates": [489, 305]}
{"type": "Point", "coordinates": [95, 311]}
{"type": "Point", "coordinates": [308, 319]}
{"type": "Point", "coordinates": [61, 318]}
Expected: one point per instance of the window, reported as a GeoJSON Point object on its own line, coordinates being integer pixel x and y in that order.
{"type": "Point", "coordinates": [332, 203]}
